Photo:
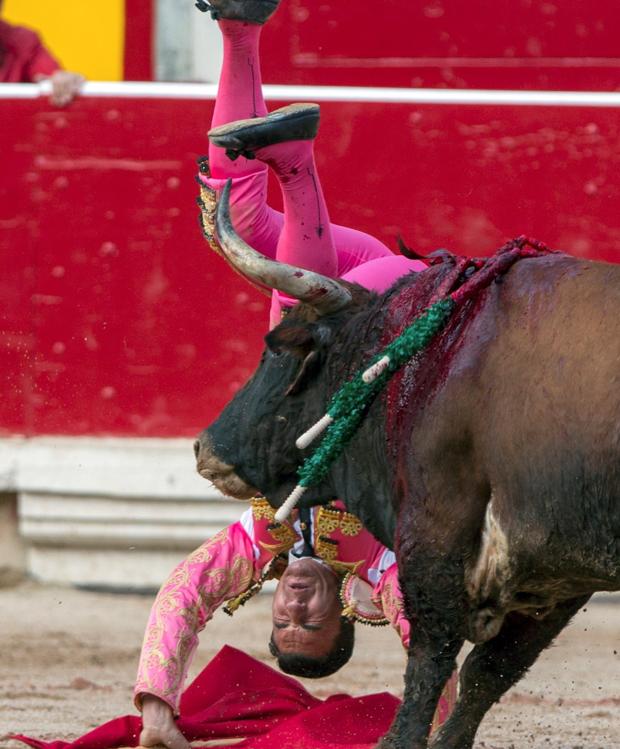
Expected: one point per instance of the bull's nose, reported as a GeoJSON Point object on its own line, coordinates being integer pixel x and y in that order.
{"type": "Point", "coordinates": [222, 475]}
{"type": "Point", "coordinates": [202, 447]}
{"type": "Point", "coordinates": [208, 464]}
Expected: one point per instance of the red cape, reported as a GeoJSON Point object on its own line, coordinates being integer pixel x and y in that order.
{"type": "Point", "coordinates": [238, 696]}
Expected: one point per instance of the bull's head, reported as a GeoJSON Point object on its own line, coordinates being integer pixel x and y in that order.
{"type": "Point", "coordinates": [251, 446]}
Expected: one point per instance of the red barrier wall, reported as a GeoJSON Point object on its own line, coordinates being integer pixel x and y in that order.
{"type": "Point", "coordinates": [117, 319]}
{"type": "Point", "coordinates": [516, 44]}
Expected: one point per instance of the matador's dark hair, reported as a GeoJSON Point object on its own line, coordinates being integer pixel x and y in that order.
{"type": "Point", "coordinates": [316, 668]}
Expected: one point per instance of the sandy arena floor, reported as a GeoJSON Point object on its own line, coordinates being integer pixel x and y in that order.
{"type": "Point", "coordinates": [68, 659]}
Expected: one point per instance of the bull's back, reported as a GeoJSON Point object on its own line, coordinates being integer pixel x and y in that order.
{"type": "Point", "coordinates": [552, 365]}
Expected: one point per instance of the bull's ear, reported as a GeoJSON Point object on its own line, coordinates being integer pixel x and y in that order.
{"type": "Point", "coordinates": [297, 338]}
{"type": "Point", "coordinates": [308, 366]}
{"type": "Point", "coordinates": [303, 340]}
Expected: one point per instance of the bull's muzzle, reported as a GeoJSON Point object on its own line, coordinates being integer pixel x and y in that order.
{"type": "Point", "coordinates": [222, 475]}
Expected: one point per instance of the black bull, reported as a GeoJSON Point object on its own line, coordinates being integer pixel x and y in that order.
{"type": "Point", "coordinates": [491, 464]}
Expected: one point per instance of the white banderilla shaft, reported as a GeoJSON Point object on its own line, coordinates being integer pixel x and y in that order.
{"type": "Point", "coordinates": [290, 503]}
{"type": "Point", "coordinates": [307, 437]}
{"type": "Point", "coordinates": [377, 369]}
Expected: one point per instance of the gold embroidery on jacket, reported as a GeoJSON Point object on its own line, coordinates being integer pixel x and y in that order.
{"type": "Point", "coordinates": [327, 520]}
{"type": "Point", "coordinates": [215, 585]}
{"type": "Point", "coordinates": [354, 610]}
{"type": "Point", "coordinates": [262, 510]}
{"type": "Point", "coordinates": [283, 533]}
{"type": "Point", "coordinates": [330, 519]}
{"type": "Point", "coordinates": [350, 525]}
{"type": "Point", "coordinates": [391, 603]}
{"type": "Point", "coordinates": [207, 201]}
{"type": "Point", "coordinates": [327, 550]}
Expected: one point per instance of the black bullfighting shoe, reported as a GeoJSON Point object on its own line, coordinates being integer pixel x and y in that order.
{"type": "Point", "coordinates": [252, 11]}
{"type": "Point", "coordinates": [244, 137]}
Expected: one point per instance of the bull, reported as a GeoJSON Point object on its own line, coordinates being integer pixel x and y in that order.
{"type": "Point", "coordinates": [491, 462]}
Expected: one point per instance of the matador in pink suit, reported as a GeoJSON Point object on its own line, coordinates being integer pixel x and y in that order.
{"type": "Point", "coordinates": [332, 572]}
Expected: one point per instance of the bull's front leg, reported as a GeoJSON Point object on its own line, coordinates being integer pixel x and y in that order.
{"type": "Point", "coordinates": [433, 588]}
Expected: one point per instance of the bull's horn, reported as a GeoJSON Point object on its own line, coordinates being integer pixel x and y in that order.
{"type": "Point", "coordinates": [323, 293]}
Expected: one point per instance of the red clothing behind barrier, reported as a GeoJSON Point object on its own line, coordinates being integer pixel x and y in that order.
{"type": "Point", "coordinates": [23, 58]}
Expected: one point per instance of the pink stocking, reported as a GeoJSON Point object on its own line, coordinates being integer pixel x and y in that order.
{"type": "Point", "coordinates": [306, 238]}
{"type": "Point", "coordinates": [240, 96]}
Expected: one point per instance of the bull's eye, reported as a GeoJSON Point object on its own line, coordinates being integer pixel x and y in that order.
{"type": "Point", "coordinates": [281, 418]}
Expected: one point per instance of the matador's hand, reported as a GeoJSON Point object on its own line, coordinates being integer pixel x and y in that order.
{"type": "Point", "coordinates": [158, 726]}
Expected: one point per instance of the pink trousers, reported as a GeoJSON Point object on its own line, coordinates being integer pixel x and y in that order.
{"type": "Point", "coordinates": [303, 235]}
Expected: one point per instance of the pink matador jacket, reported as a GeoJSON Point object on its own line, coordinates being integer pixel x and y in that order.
{"type": "Point", "coordinates": [230, 562]}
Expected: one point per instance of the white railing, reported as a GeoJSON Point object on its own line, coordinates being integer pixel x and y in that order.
{"type": "Point", "coordinates": [149, 90]}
